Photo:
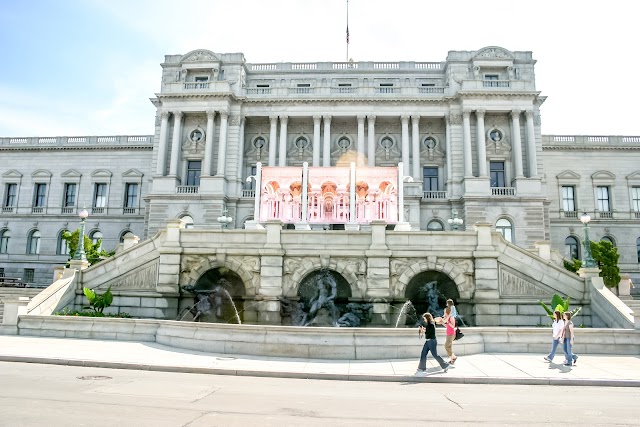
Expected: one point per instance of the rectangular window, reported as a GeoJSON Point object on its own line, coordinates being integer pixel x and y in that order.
{"type": "Point", "coordinates": [202, 79]}
{"type": "Point", "coordinates": [29, 273]}
{"type": "Point", "coordinates": [344, 84]}
{"type": "Point", "coordinates": [304, 85]}
{"type": "Point", "coordinates": [428, 85]}
{"type": "Point", "coordinates": [491, 77]}
{"type": "Point", "coordinates": [497, 174]}
{"type": "Point", "coordinates": [40, 195]}
{"type": "Point", "coordinates": [635, 198]}
{"type": "Point", "coordinates": [1, 272]}
{"type": "Point", "coordinates": [604, 204]}
{"type": "Point", "coordinates": [430, 178]}
{"type": "Point", "coordinates": [4, 242]}
{"type": "Point", "coordinates": [100, 196]}
{"type": "Point", "coordinates": [568, 199]}
{"type": "Point", "coordinates": [69, 195]}
{"type": "Point", "coordinates": [262, 86]}
{"type": "Point", "coordinates": [193, 172]}
{"type": "Point", "coordinates": [386, 84]}
{"type": "Point", "coordinates": [10, 196]}
{"type": "Point", "coordinates": [490, 80]}
{"type": "Point", "coordinates": [131, 196]}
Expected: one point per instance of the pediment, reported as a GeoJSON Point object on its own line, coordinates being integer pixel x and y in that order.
{"type": "Point", "coordinates": [42, 173]}
{"type": "Point", "coordinates": [603, 175]}
{"type": "Point", "coordinates": [12, 174]}
{"type": "Point", "coordinates": [635, 176]}
{"type": "Point", "coordinates": [71, 173]}
{"type": "Point", "coordinates": [200, 55]}
{"type": "Point", "coordinates": [132, 173]}
{"type": "Point", "coordinates": [568, 175]}
{"type": "Point", "coordinates": [494, 52]}
{"type": "Point", "coordinates": [101, 173]}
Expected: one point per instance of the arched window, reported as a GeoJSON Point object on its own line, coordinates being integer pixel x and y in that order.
{"type": "Point", "coordinates": [638, 248]}
{"type": "Point", "coordinates": [5, 235]}
{"type": "Point", "coordinates": [188, 221]}
{"type": "Point", "coordinates": [63, 247]}
{"type": "Point", "coordinates": [123, 234]}
{"type": "Point", "coordinates": [33, 243]}
{"type": "Point", "coordinates": [435, 225]}
{"type": "Point", "coordinates": [609, 239]}
{"type": "Point", "coordinates": [505, 228]}
{"type": "Point", "coordinates": [572, 248]}
{"type": "Point", "coordinates": [96, 237]}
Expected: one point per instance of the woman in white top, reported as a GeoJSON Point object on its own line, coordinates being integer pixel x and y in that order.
{"type": "Point", "coordinates": [557, 327]}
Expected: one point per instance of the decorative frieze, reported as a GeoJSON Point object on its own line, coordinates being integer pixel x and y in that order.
{"type": "Point", "coordinates": [512, 285]}
{"type": "Point", "coordinates": [143, 277]}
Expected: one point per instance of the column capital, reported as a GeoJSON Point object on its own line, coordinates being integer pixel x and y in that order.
{"type": "Point", "coordinates": [242, 120]}
{"type": "Point", "coordinates": [273, 119]}
{"type": "Point", "coordinates": [224, 115]}
{"type": "Point", "coordinates": [371, 119]}
{"type": "Point", "coordinates": [177, 114]}
{"type": "Point", "coordinates": [480, 112]}
{"type": "Point", "coordinates": [211, 114]}
{"type": "Point", "coordinates": [415, 118]}
{"type": "Point", "coordinates": [361, 119]}
{"type": "Point", "coordinates": [327, 118]}
{"type": "Point", "coordinates": [284, 119]}
{"type": "Point", "coordinates": [404, 119]}
{"type": "Point", "coordinates": [164, 115]}
{"type": "Point", "coordinates": [316, 119]}
{"type": "Point", "coordinates": [529, 114]}
{"type": "Point", "coordinates": [515, 113]}
{"type": "Point", "coordinates": [466, 113]}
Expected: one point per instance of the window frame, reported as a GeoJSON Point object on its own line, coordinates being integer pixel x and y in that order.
{"type": "Point", "coordinates": [503, 171]}
{"type": "Point", "coordinates": [7, 193]}
{"type": "Point", "coordinates": [5, 237]}
{"type": "Point", "coordinates": [28, 272]}
{"type": "Point", "coordinates": [566, 200]}
{"type": "Point", "coordinates": [430, 178]}
{"type": "Point", "coordinates": [576, 244]}
{"type": "Point", "coordinates": [62, 247]}
{"type": "Point", "coordinates": [131, 200]}
{"type": "Point", "coordinates": [34, 242]}
{"type": "Point", "coordinates": [195, 182]}
{"type": "Point", "coordinates": [600, 201]}
{"type": "Point", "coordinates": [65, 195]}
{"type": "Point", "coordinates": [502, 229]}
{"type": "Point", "coordinates": [39, 200]}
{"type": "Point", "coordinates": [103, 197]}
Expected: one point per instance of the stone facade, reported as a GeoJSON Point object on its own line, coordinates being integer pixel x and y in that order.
{"type": "Point", "coordinates": [470, 123]}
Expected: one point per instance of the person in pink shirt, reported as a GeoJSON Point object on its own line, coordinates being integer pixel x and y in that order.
{"type": "Point", "coordinates": [450, 324]}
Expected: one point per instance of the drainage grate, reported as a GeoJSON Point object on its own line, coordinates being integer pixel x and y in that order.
{"type": "Point", "coordinates": [94, 377]}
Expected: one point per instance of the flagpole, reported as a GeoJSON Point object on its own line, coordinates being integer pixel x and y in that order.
{"type": "Point", "coordinates": [347, 30]}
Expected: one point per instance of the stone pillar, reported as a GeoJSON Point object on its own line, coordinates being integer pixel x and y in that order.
{"type": "Point", "coordinates": [371, 135]}
{"type": "Point", "coordinates": [481, 147]}
{"type": "Point", "coordinates": [352, 224]}
{"type": "Point", "coordinates": [532, 154]}
{"type": "Point", "coordinates": [271, 263]}
{"type": "Point", "coordinates": [240, 167]}
{"type": "Point", "coordinates": [208, 147]}
{"type": "Point", "coordinates": [162, 145]}
{"type": "Point", "coordinates": [130, 240]}
{"type": "Point", "coordinates": [13, 307]}
{"type": "Point", "coordinates": [326, 146]}
{"type": "Point", "coordinates": [303, 224]}
{"type": "Point", "coordinates": [272, 140]}
{"type": "Point", "coordinates": [415, 143]}
{"type": "Point", "coordinates": [447, 136]}
{"type": "Point", "coordinates": [466, 144]}
{"type": "Point", "coordinates": [316, 140]}
{"type": "Point", "coordinates": [222, 144]}
{"type": "Point", "coordinates": [360, 148]}
{"type": "Point", "coordinates": [378, 279]}
{"type": "Point", "coordinates": [170, 253]}
{"type": "Point", "coordinates": [405, 139]}
{"type": "Point", "coordinates": [517, 143]}
{"type": "Point", "coordinates": [487, 294]}
{"type": "Point", "coordinates": [175, 143]}
{"type": "Point", "coordinates": [282, 152]}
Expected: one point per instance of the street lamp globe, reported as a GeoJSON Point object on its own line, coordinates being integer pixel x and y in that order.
{"type": "Point", "coordinates": [585, 218]}
{"type": "Point", "coordinates": [83, 214]}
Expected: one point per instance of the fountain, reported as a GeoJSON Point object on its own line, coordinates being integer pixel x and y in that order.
{"type": "Point", "coordinates": [209, 302]}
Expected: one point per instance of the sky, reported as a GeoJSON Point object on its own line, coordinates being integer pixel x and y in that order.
{"type": "Point", "coordinates": [89, 67]}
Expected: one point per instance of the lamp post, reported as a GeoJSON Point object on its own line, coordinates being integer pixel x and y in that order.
{"type": "Point", "coordinates": [224, 220]}
{"type": "Point", "coordinates": [455, 222]}
{"type": "Point", "coordinates": [80, 254]}
{"type": "Point", "coordinates": [587, 259]}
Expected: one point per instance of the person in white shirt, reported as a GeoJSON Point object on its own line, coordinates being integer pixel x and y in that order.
{"type": "Point", "coordinates": [557, 327]}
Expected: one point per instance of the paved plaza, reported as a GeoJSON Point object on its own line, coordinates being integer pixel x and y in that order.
{"type": "Point", "coordinates": [486, 368]}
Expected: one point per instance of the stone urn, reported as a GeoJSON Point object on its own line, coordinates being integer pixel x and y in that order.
{"type": "Point", "coordinates": [624, 287]}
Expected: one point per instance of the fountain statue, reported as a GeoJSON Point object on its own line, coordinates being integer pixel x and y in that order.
{"type": "Point", "coordinates": [293, 311]}
{"type": "Point", "coordinates": [357, 315]}
{"type": "Point", "coordinates": [209, 302]}
{"type": "Point", "coordinates": [431, 290]}
{"type": "Point", "coordinates": [326, 290]}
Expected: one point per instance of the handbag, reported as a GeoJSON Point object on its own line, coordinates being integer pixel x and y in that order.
{"type": "Point", "coordinates": [459, 334]}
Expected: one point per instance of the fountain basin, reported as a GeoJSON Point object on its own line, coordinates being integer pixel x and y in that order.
{"type": "Point", "coordinates": [320, 343]}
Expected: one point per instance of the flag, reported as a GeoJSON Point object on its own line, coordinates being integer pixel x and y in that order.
{"type": "Point", "coordinates": [347, 34]}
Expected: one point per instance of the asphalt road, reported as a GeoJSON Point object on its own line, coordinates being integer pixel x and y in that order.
{"type": "Point", "coordinates": [49, 395]}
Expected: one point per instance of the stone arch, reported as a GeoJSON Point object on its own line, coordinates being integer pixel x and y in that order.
{"type": "Point", "coordinates": [204, 264]}
{"type": "Point", "coordinates": [460, 272]}
{"type": "Point", "coordinates": [345, 267]}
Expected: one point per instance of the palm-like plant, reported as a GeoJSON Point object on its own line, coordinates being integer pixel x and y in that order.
{"type": "Point", "coordinates": [560, 304]}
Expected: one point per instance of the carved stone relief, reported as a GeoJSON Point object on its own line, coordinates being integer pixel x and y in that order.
{"type": "Point", "coordinates": [512, 285]}
{"type": "Point", "coordinates": [144, 277]}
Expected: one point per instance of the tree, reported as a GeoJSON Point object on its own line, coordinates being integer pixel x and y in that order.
{"type": "Point", "coordinates": [606, 255]}
{"type": "Point", "coordinates": [94, 252]}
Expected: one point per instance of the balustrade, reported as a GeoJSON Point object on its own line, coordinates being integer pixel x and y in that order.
{"type": "Point", "coordinates": [434, 195]}
{"type": "Point", "coordinates": [187, 189]}
{"type": "Point", "coordinates": [503, 191]}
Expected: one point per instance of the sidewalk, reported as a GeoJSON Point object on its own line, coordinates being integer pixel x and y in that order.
{"type": "Point", "coordinates": [511, 368]}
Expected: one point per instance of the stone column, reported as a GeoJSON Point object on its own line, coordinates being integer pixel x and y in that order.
{"type": "Point", "coordinates": [305, 196]}
{"type": "Point", "coordinates": [447, 136]}
{"type": "Point", "coordinates": [316, 140]}
{"type": "Point", "coordinates": [170, 252]}
{"type": "Point", "coordinates": [371, 135]}
{"type": "Point", "coordinates": [162, 145]}
{"type": "Point", "coordinates": [271, 263]}
{"type": "Point", "coordinates": [208, 147]}
{"type": "Point", "coordinates": [405, 139]}
{"type": "Point", "coordinates": [532, 154]}
{"type": "Point", "coordinates": [282, 151]}
{"type": "Point", "coordinates": [466, 144]}
{"type": "Point", "coordinates": [222, 144]}
{"type": "Point", "coordinates": [517, 143]}
{"type": "Point", "coordinates": [240, 154]}
{"type": "Point", "coordinates": [415, 142]}
{"type": "Point", "coordinates": [360, 148]}
{"type": "Point", "coordinates": [175, 143]}
{"type": "Point", "coordinates": [378, 274]}
{"type": "Point", "coordinates": [326, 146]}
{"type": "Point", "coordinates": [272, 140]}
{"type": "Point", "coordinates": [487, 294]}
{"type": "Point", "coordinates": [480, 141]}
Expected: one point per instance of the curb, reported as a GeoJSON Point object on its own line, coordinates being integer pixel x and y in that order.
{"type": "Point", "coordinates": [321, 376]}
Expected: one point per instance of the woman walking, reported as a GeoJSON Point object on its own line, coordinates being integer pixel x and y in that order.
{"type": "Point", "coordinates": [430, 345]}
{"type": "Point", "coordinates": [557, 327]}
{"type": "Point", "coordinates": [567, 336]}
{"type": "Point", "coordinates": [450, 325]}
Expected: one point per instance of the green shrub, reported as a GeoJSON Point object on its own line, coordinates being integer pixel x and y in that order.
{"type": "Point", "coordinates": [89, 313]}
{"type": "Point", "coordinates": [560, 304]}
{"type": "Point", "coordinates": [97, 302]}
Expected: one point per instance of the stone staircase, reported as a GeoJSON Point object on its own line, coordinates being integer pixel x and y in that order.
{"type": "Point", "coordinates": [15, 293]}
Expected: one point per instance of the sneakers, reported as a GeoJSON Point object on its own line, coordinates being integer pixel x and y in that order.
{"type": "Point", "coordinates": [446, 368]}
{"type": "Point", "coordinates": [567, 364]}
{"type": "Point", "coordinates": [421, 371]}
{"type": "Point", "coordinates": [575, 359]}
{"type": "Point", "coordinates": [547, 359]}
